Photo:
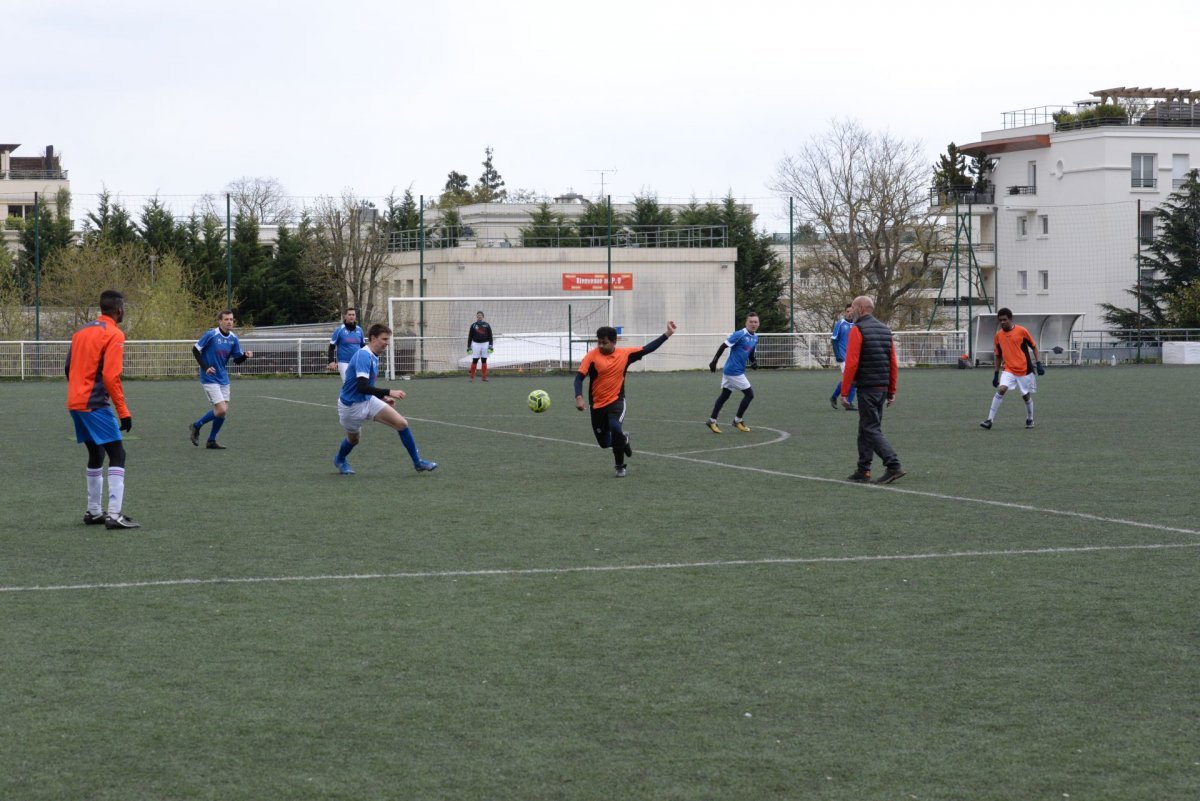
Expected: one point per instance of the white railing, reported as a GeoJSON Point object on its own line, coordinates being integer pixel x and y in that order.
{"type": "Point", "coordinates": [309, 355]}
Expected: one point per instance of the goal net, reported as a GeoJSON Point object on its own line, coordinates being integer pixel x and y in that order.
{"type": "Point", "coordinates": [429, 335]}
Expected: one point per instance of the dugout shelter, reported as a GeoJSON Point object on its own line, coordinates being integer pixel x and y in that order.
{"type": "Point", "coordinates": [1051, 332]}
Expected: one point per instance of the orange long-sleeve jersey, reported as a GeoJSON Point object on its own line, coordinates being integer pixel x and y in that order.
{"type": "Point", "coordinates": [94, 363]}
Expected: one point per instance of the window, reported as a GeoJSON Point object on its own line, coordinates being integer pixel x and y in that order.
{"type": "Point", "coordinates": [1142, 171]}
{"type": "Point", "coordinates": [1043, 280]}
{"type": "Point", "coordinates": [1022, 226]}
{"type": "Point", "coordinates": [1179, 169]}
{"type": "Point", "coordinates": [1146, 228]}
{"type": "Point", "coordinates": [1044, 220]}
{"type": "Point", "coordinates": [1022, 281]}
{"type": "Point", "coordinates": [1031, 169]}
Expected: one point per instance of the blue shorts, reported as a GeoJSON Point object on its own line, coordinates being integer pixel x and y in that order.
{"type": "Point", "coordinates": [98, 426]}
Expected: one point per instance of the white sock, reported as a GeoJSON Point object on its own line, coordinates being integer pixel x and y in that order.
{"type": "Point", "coordinates": [95, 488]}
{"type": "Point", "coordinates": [116, 490]}
{"type": "Point", "coordinates": [1029, 408]}
{"type": "Point", "coordinates": [996, 401]}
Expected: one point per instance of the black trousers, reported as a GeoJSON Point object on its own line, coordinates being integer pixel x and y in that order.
{"type": "Point", "coordinates": [871, 440]}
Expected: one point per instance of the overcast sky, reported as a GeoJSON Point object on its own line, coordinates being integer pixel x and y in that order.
{"type": "Point", "coordinates": [681, 99]}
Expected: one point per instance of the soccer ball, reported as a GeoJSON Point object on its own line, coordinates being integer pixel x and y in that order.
{"type": "Point", "coordinates": [539, 401]}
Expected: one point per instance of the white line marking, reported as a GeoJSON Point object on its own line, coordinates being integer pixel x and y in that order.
{"type": "Point", "coordinates": [544, 571]}
{"type": "Point", "coordinates": [823, 479]}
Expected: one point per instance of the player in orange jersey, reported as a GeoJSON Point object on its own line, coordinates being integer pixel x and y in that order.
{"type": "Point", "coordinates": [1016, 362]}
{"type": "Point", "coordinates": [93, 369]}
{"type": "Point", "coordinates": [606, 364]}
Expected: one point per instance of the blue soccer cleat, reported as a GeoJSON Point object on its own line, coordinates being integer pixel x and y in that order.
{"type": "Point", "coordinates": [343, 466]}
{"type": "Point", "coordinates": [425, 466]}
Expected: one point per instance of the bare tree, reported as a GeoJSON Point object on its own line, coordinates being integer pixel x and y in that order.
{"type": "Point", "coordinates": [351, 247]}
{"type": "Point", "coordinates": [866, 196]}
{"type": "Point", "coordinates": [263, 200]}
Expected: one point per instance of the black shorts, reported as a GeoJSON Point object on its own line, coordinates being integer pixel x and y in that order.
{"type": "Point", "coordinates": [607, 420]}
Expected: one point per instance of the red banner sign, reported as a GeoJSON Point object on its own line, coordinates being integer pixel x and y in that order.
{"type": "Point", "coordinates": [596, 282]}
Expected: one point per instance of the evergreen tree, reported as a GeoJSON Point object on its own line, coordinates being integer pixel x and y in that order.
{"type": "Point", "coordinates": [202, 248]}
{"type": "Point", "coordinates": [950, 172]}
{"type": "Point", "coordinates": [250, 259]}
{"type": "Point", "coordinates": [457, 191]}
{"type": "Point", "coordinates": [490, 186]}
{"type": "Point", "coordinates": [109, 223]}
{"type": "Point", "coordinates": [981, 167]}
{"type": "Point", "coordinates": [40, 238]}
{"type": "Point", "coordinates": [647, 221]}
{"type": "Point", "coordinates": [1170, 269]}
{"type": "Point", "coordinates": [402, 220]}
{"type": "Point", "coordinates": [449, 229]}
{"type": "Point", "coordinates": [549, 229]}
{"type": "Point", "coordinates": [157, 229]}
{"type": "Point", "coordinates": [593, 224]}
{"type": "Point", "coordinates": [277, 291]}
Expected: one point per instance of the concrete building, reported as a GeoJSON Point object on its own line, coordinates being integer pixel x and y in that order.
{"type": "Point", "coordinates": [21, 177]}
{"type": "Point", "coordinates": [1074, 189]}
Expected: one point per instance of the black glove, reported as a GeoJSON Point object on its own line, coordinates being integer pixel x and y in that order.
{"type": "Point", "coordinates": [996, 379]}
{"type": "Point", "coordinates": [1041, 368]}
{"type": "Point", "coordinates": [127, 423]}
{"type": "Point", "coordinates": [712, 367]}
{"type": "Point", "coordinates": [754, 364]}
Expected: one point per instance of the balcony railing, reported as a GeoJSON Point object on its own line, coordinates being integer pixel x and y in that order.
{"type": "Point", "coordinates": [438, 237]}
{"type": "Point", "coordinates": [1022, 190]}
{"type": "Point", "coordinates": [1143, 183]}
{"type": "Point", "coordinates": [34, 175]}
{"type": "Point", "coordinates": [1178, 182]}
{"type": "Point", "coordinates": [962, 194]}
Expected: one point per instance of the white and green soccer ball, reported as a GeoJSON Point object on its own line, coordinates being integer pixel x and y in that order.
{"type": "Point", "coordinates": [539, 401]}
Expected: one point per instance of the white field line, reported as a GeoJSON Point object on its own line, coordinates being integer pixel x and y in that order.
{"type": "Point", "coordinates": [557, 571]}
{"type": "Point", "coordinates": [683, 457]}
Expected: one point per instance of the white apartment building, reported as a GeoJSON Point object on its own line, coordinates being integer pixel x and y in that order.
{"type": "Point", "coordinates": [23, 177]}
{"type": "Point", "coordinates": [1074, 193]}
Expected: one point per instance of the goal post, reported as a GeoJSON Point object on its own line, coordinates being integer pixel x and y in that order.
{"type": "Point", "coordinates": [429, 335]}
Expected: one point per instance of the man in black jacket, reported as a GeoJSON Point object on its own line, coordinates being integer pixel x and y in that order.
{"type": "Point", "coordinates": [871, 367]}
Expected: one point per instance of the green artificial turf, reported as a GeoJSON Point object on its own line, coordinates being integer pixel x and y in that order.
{"type": "Point", "coordinates": [1015, 619]}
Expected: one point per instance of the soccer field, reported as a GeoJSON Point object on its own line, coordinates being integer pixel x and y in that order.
{"type": "Point", "coordinates": [1014, 619]}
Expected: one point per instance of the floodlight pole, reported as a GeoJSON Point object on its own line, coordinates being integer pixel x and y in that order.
{"type": "Point", "coordinates": [608, 216]}
{"type": "Point", "coordinates": [421, 283]}
{"type": "Point", "coordinates": [1138, 279]}
{"type": "Point", "coordinates": [228, 254]}
{"type": "Point", "coordinates": [971, 264]}
{"type": "Point", "coordinates": [791, 266]}
{"type": "Point", "coordinates": [37, 268]}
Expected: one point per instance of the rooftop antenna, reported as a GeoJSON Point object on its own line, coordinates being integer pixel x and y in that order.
{"type": "Point", "coordinates": [604, 172]}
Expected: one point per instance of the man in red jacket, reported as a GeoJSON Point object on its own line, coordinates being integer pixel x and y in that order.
{"type": "Point", "coordinates": [871, 367]}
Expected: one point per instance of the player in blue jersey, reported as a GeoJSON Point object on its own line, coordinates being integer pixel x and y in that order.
{"type": "Point", "coordinates": [212, 352]}
{"type": "Point", "coordinates": [841, 338]}
{"type": "Point", "coordinates": [360, 400]}
{"type": "Point", "coordinates": [347, 339]}
{"type": "Point", "coordinates": [741, 345]}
